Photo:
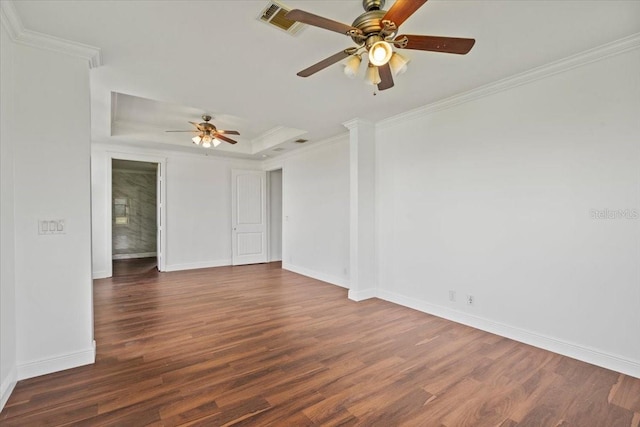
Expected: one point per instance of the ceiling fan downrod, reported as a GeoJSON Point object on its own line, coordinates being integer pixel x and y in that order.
{"type": "Point", "coordinates": [370, 5]}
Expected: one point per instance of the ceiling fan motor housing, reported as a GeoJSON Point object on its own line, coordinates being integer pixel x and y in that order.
{"type": "Point", "coordinates": [368, 23]}
{"type": "Point", "coordinates": [206, 126]}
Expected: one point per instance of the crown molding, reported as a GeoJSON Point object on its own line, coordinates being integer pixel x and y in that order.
{"type": "Point", "coordinates": [277, 162]}
{"type": "Point", "coordinates": [592, 55]}
{"type": "Point", "coordinates": [274, 137]}
{"type": "Point", "coordinates": [357, 122]}
{"type": "Point", "coordinates": [12, 22]}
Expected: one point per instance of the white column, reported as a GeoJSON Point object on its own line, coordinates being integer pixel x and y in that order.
{"type": "Point", "coordinates": [362, 253]}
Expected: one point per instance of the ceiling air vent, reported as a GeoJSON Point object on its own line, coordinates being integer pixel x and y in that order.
{"type": "Point", "coordinates": [274, 14]}
{"type": "Point", "coordinates": [301, 141]}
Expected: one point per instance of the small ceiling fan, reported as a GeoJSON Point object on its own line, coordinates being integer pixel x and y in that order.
{"type": "Point", "coordinates": [208, 134]}
{"type": "Point", "coordinates": [375, 32]}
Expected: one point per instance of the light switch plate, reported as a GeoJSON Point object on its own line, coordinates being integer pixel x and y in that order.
{"type": "Point", "coordinates": [51, 226]}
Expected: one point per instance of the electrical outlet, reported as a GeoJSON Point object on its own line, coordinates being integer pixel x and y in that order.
{"type": "Point", "coordinates": [452, 296]}
{"type": "Point", "coordinates": [469, 299]}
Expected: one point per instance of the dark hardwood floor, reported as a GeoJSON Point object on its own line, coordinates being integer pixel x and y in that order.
{"type": "Point", "coordinates": [260, 346]}
{"type": "Point", "coordinates": [135, 266]}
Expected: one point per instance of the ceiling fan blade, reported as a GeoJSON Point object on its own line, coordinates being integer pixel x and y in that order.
{"type": "Point", "coordinates": [386, 78]}
{"type": "Point", "coordinates": [319, 21]}
{"type": "Point", "coordinates": [402, 10]}
{"type": "Point", "coordinates": [196, 125]}
{"type": "Point", "coordinates": [436, 44]}
{"type": "Point", "coordinates": [224, 138]}
{"type": "Point", "coordinates": [228, 132]}
{"type": "Point", "coordinates": [326, 62]}
{"type": "Point", "coordinates": [182, 131]}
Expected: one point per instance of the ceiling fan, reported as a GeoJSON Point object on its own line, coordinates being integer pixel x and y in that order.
{"type": "Point", "coordinates": [208, 134]}
{"type": "Point", "coordinates": [375, 32]}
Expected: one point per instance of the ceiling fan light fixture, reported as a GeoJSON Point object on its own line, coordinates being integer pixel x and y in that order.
{"type": "Point", "coordinates": [373, 75]}
{"type": "Point", "coordinates": [398, 64]}
{"type": "Point", "coordinates": [208, 134]}
{"type": "Point", "coordinates": [380, 53]}
{"type": "Point", "coordinates": [375, 31]}
{"type": "Point", "coordinates": [352, 66]}
{"type": "Point", "coordinates": [205, 140]}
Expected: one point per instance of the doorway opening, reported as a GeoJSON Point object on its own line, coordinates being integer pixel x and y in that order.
{"type": "Point", "coordinates": [275, 215]}
{"type": "Point", "coordinates": [134, 217]}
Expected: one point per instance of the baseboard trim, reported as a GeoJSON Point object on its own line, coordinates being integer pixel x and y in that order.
{"type": "Point", "coordinates": [363, 294]}
{"type": "Point", "coordinates": [138, 255]}
{"type": "Point", "coordinates": [197, 265]}
{"type": "Point", "coordinates": [575, 351]}
{"type": "Point", "coordinates": [58, 363]}
{"type": "Point", "coordinates": [8, 384]}
{"type": "Point", "coordinates": [100, 274]}
{"type": "Point", "coordinates": [334, 280]}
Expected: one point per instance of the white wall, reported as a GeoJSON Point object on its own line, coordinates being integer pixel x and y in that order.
{"type": "Point", "coordinates": [316, 212]}
{"type": "Point", "coordinates": [493, 198]}
{"type": "Point", "coordinates": [51, 145]}
{"type": "Point", "coordinates": [198, 213]}
{"type": "Point", "coordinates": [8, 363]}
{"type": "Point", "coordinates": [198, 207]}
{"type": "Point", "coordinates": [275, 215]}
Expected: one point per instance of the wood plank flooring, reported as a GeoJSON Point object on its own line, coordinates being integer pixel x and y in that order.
{"type": "Point", "coordinates": [135, 266]}
{"type": "Point", "coordinates": [259, 346]}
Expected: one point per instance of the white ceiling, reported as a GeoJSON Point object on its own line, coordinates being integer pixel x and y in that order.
{"type": "Point", "coordinates": [179, 59]}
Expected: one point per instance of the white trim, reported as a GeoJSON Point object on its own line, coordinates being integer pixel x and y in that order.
{"type": "Point", "coordinates": [362, 209]}
{"type": "Point", "coordinates": [7, 387]}
{"type": "Point", "coordinates": [362, 294]}
{"type": "Point", "coordinates": [10, 19]}
{"type": "Point", "coordinates": [329, 278]}
{"type": "Point", "coordinates": [58, 363]}
{"type": "Point", "coordinates": [162, 161]}
{"type": "Point", "coordinates": [138, 255]}
{"type": "Point", "coordinates": [102, 274]}
{"type": "Point", "coordinates": [21, 35]}
{"type": "Point", "coordinates": [575, 351]}
{"type": "Point", "coordinates": [197, 265]}
{"type": "Point", "coordinates": [274, 163]}
{"type": "Point", "coordinates": [268, 213]}
{"type": "Point", "coordinates": [128, 148]}
{"type": "Point", "coordinates": [269, 206]}
{"type": "Point", "coordinates": [538, 73]}
{"type": "Point", "coordinates": [274, 137]}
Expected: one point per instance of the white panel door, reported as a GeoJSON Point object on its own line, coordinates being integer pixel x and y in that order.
{"type": "Point", "coordinates": [249, 216]}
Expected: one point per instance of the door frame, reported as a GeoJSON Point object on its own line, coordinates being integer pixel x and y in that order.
{"type": "Point", "coordinates": [269, 205]}
{"type": "Point", "coordinates": [161, 197]}
{"type": "Point", "coordinates": [236, 259]}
